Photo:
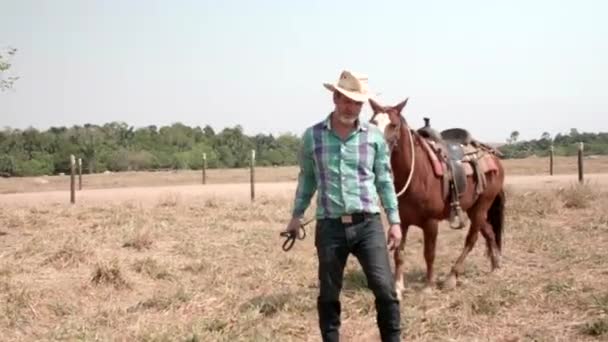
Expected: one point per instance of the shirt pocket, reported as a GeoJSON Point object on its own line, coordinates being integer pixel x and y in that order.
{"type": "Point", "coordinates": [326, 156]}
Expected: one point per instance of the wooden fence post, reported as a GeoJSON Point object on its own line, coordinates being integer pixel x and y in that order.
{"type": "Point", "coordinates": [252, 171]}
{"type": "Point", "coordinates": [72, 179]}
{"type": "Point", "coordinates": [204, 168]}
{"type": "Point", "coordinates": [79, 173]}
{"type": "Point", "coordinates": [580, 162]}
{"type": "Point", "coordinates": [551, 161]}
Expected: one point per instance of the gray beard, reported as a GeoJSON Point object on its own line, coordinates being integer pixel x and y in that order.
{"type": "Point", "coordinates": [346, 121]}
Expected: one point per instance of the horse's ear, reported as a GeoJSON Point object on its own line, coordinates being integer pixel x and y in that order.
{"type": "Point", "coordinates": [401, 105]}
{"type": "Point", "coordinates": [377, 108]}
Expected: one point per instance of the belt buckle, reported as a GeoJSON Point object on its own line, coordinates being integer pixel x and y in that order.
{"type": "Point", "coordinates": [347, 219]}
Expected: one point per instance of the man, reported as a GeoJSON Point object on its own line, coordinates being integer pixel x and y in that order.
{"type": "Point", "coordinates": [347, 161]}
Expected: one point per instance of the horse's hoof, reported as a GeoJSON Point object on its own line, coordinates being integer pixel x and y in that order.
{"type": "Point", "coordinates": [496, 263]}
{"type": "Point", "coordinates": [450, 283]}
{"type": "Point", "coordinates": [399, 288]}
{"type": "Point", "coordinates": [496, 270]}
{"type": "Point", "coordinates": [427, 290]}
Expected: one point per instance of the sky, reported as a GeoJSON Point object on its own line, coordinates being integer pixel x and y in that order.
{"type": "Point", "coordinates": [489, 66]}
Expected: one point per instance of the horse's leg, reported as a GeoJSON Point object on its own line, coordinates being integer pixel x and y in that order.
{"type": "Point", "coordinates": [488, 235]}
{"type": "Point", "coordinates": [493, 229]}
{"type": "Point", "coordinates": [430, 239]}
{"type": "Point", "coordinates": [399, 255]}
{"type": "Point", "coordinates": [471, 239]}
{"type": "Point", "coordinates": [480, 214]}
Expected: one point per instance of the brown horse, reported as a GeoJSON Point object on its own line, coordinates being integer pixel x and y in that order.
{"type": "Point", "coordinates": [423, 201]}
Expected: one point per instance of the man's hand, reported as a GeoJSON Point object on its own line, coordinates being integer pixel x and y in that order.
{"type": "Point", "coordinates": [293, 226]}
{"type": "Point", "coordinates": [394, 237]}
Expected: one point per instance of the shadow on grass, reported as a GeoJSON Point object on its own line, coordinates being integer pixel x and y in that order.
{"type": "Point", "coordinates": [269, 305]}
{"type": "Point", "coordinates": [355, 280]}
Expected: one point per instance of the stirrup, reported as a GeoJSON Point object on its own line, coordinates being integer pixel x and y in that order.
{"type": "Point", "coordinates": [457, 221]}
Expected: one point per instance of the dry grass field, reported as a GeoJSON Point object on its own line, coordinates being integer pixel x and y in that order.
{"type": "Point", "coordinates": [173, 266]}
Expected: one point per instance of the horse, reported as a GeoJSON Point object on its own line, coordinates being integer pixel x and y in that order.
{"type": "Point", "coordinates": [422, 199]}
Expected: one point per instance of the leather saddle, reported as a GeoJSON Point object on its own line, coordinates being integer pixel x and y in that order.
{"type": "Point", "coordinates": [456, 147]}
{"type": "Point", "coordinates": [457, 135]}
{"type": "Point", "coordinates": [454, 141]}
{"type": "Point", "coordinates": [451, 142]}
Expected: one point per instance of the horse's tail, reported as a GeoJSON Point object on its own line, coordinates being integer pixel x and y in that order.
{"type": "Point", "coordinates": [496, 217]}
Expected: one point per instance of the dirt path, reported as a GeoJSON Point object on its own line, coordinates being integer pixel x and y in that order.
{"type": "Point", "coordinates": [152, 195]}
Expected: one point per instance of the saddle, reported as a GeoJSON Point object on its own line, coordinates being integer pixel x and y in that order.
{"type": "Point", "coordinates": [456, 155]}
{"type": "Point", "coordinates": [428, 132]}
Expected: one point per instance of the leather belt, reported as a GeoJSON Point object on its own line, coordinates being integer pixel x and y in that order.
{"type": "Point", "coordinates": [354, 218]}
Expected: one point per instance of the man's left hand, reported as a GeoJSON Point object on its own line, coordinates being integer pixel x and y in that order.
{"type": "Point", "coordinates": [394, 237]}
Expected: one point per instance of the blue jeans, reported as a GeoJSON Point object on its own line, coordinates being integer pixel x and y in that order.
{"type": "Point", "coordinates": [366, 240]}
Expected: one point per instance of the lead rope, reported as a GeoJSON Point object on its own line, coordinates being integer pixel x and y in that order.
{"type": "Point", "coordinates": [413, 163]}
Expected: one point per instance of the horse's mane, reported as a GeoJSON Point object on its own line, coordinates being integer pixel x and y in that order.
{"type": "Point", "coordinates": [414, 132]}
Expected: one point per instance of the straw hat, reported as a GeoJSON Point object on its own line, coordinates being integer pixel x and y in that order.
{"type": "Point", "coordinates": [351, 85]}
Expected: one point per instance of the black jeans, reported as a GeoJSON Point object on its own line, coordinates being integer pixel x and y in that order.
{"type": "Point", "coordinates": [367, 242]}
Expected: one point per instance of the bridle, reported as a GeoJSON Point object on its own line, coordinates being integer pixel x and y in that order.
{"type": "Point", "coordinates": [392, 144]}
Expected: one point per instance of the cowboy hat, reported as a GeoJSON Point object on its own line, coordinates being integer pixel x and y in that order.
{"type": "Point", "coordinates": [351, 85]}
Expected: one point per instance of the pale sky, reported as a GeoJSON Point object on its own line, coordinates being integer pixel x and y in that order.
{"type": "Point", "coordinates": [489, 66]}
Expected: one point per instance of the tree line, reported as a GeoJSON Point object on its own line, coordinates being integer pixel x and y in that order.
{"type": "Point", "coordinates": [564, 144]}
{"type": "Point", "coordinates": [116, 146]}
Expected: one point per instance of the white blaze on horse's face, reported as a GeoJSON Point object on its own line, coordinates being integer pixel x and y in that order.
{"type": "Point", "coordinates": [383, 122]}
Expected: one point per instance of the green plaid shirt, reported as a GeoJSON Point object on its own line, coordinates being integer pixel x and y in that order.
{"type": "Point", "coordinates": [350, 175]}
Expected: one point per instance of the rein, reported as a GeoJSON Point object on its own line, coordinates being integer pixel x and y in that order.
{"type": "Point", "coordinates": [290, 239]}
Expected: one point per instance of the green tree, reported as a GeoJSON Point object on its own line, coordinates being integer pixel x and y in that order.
{"type": "Point", "coordinates": [90, 141]}
{"type": "Point", "coordinates": [6, 82]}
{"type": "Point", "coordinates": [209, 132]}
{"type": "Point", "coordinates": [234, 148]}
{"type": "Point", "coordinates": [545, 136]}
{"type": "Point", "coordinates": [7, 165]}
{"type": "Point", "coordinates": [513, 137]}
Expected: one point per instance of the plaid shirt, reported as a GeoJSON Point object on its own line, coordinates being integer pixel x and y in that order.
{"type": "Point", "coordinates": [350, 175]}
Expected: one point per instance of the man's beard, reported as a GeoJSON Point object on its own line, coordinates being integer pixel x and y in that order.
{"type": "Point", "coordinates": [347, 120]}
